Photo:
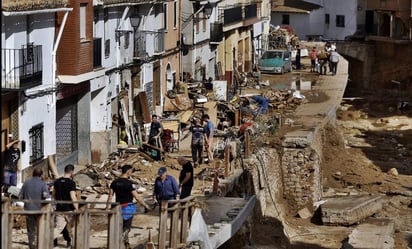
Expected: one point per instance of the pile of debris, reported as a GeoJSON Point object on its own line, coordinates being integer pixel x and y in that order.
{"type": "Point", "coordinates": [96, 179]}
{"type": "Point", "coordinates": [279, 37]}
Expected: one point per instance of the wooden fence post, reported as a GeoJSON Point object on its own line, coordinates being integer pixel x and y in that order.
{"type": "Point", "coordinates": [227, 158]}
{"type": "Point", "coordinates": [115, 226]}
{"type": "Point", "coordinates": [247, 144]}
{"type": "Point", "coordinates": [174, 226]}
{"type": "Point", "coordinates": [163, 225]}
{"type": "Point", "coordinates": [45, 227]}
{"type": "Point", "coordinates": [216, 179]}
{"type": "Point", "coordinates": [184, 226]}
{"type": "Point", "coordinates": [6, 226]}
{"type": "Point", "coordinates": [82, 228]}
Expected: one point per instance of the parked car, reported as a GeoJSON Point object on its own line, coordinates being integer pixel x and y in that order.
{"type": "Point", "coordinates": [275, 61]}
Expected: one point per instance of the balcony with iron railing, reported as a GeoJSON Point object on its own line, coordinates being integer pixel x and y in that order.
{"type": "Point", "coordinates": [24, 5]}
{"type": "Point", "coordinates": [232, 14]}
{"type": "Point", "coordinates": [148, 44]}
{"type": "Point", "coordinates": [21, 68]}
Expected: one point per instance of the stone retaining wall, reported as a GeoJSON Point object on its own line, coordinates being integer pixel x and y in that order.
{"type": "Point", "coordinates": [293, 172]}
{"type": "Point", "coordinates": [301, 172]}
{"type": "Point", "coordinates": [264, 166]}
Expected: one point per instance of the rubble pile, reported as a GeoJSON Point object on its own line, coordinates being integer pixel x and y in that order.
{"type": "Point", "coordinates": [279, 37]}
{"type": "Point", "coordinates": [96, 178]}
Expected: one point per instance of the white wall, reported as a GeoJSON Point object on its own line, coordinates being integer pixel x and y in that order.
{"type": "Point", "coordinates": [99, 110]}
{"type": "Point", "coordinates": [314, 23]}
{"type": "Point", "coordinates": [348, 8]}
{"type": "Point", "coordinates": [299, 22]}
{"type": "Point", "coordinates": [40, 109]}
{"type": "Point", "coordinates": [317, 22]}
{"type": "Point", "coordinates": [108, 33]}
{"type": "Point", "coordinates": [33, 112]}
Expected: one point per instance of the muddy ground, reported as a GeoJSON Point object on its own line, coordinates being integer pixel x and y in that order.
{"type": "Point", "coordinates": [369, 151]}
{"type": "Point", "coordinates": [370, 138]}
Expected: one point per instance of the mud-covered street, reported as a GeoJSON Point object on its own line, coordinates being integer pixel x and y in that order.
{"type": "Point", "coordinates": [369, 151]}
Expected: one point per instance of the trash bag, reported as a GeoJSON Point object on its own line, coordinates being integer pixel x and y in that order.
{"type": "Point", "coordinates": [198, 230]}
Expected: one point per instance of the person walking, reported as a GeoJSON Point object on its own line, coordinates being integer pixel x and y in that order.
{"type": "Point", "coordinates": [65, 190]}
{"type": "Point", "coordinates": [33, 190]}
{"type": "Point", "coordinates": [323, 59]}
{"type": "Point", "coordinates": [313, 59]}
{"type": "Point", "coordinates": [11, 164]}
{"type": "Point", "coordinates": [297, 58]}
{"type": "Point", "coordinates": [185, 177]}
{"type": "Point", "coordinates": [155, 132]}
{"type": "Point", "coordinates": [209, 130]}
{"type": "Point", "coordinates": [334, 60]}
{"type": "Point", "coordinates": [125, 191]}
{"type": "Point", "coordinates": [198, 135]}
{"type": "Point", "coordinates": [165, 187]}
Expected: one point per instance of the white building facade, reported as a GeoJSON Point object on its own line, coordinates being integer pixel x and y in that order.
{"type": "Point", "coordinates": [28, 79]}
{"type": "Point", "coordinates": [313, 19]}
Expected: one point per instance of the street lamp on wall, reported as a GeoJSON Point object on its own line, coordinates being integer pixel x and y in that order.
{"type": "Point", "coordinates": [135, 20]}
{"type": "Point", "coordinates": [208, 8]}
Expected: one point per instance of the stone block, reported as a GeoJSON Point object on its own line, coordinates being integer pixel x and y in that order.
{"type": "Point", "coordinates": [349, 210]}
{"type": "Point", "coordinates": [305, 213]}
{"type": "Point", "coordinates": [373, 234]}
{"type": "Point", "coordinates": [298, 139]}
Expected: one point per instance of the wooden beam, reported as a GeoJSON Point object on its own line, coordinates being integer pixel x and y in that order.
{"type": "Point", "coordinates": [114, 238]}
{"type": "Point", "coordinates": [82, 229]}
{"type": "Point", "coordinates": [6, 226]}
{"type": "Point", "coordinates": [237, 117]}
{"type": "Point", "coordinates": [174, 227]}
{"type": "Point", "coordinates": [247, 144]}
{"type": "Point", "coordinates": [216, 179]}
{"type": "Point", "coordinates": [184, 226]}
{"type": "Point", "coordinates": [45, 227]}
{"type": "Point", "coordinates": [226, 162]}
{"type": "Point", "coordinates": [163, 225]}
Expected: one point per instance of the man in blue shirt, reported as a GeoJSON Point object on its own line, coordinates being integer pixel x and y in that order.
{"type": "Point", "coordinates": [209, 130]}
{"type": "Point", "coordinates": [165, 187]}
{"type": "Point", "coordinates": [263, 104]}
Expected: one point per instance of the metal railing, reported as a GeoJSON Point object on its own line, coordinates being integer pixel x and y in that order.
{"type": "Point", "coordinates": [22, 68]}
{"type": "Point", "coordinates": [45, 225]}
{"type": "Point", "coordinates": [238, 12]}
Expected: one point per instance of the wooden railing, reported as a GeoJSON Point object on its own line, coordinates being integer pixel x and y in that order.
{"type": "Point", "coordinates": [179, 222]}
{"type": "Point", "coordinates": [45, 225]}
